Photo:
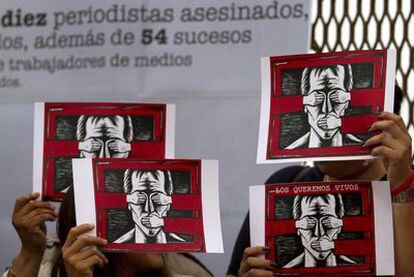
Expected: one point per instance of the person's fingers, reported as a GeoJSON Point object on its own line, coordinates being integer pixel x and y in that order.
{"type": "Point", "coordinates": [156, 198]}
{"type": "Point", "coordinates": [85, 241]}
{"type": "Point", "coordinates": [91, 251]}
{"type": "Point", "coordinates": [22, 200]}
{"type": "Point", "coordinates": [34, 213]}
{"type": "Point", "coordinates": [383, 139]}
{"type": "Point", "coordinates": [33, 219]}
{"type": "Point", "coordinates": [90, 262]}
{"type": "Point", "coordinates": [327, 223]}
{"type": "Point", "coordinates": [141, 198]}
{"type": "Point", "coordinates": [394, 117]}
{"type": "Point", "coordinates": [316, 246]}
{"type": "Point", "coordinates": [96, 143]}
{"type": "Point", "coordinates": [96, 146]}
{"type": "Point", "coordinates": [146, 221]}
{"type": "Point", "coordinates": [254, 262]}
{"type": "Point", "coordinates": [34, 205]}
{"type": "Point", "coordinates": [386, 152]}
{"type": "Point", "coordinates": [326, 220]}
{"type": "Point", "coordinates": [323, 123]}
{"type": "Point", "coordinates": [39, 211]}
{"type": "Point", "coordinates": [255, 251]}
{"type": "Point", "coordinates": [75, 232]}
{"type": "Point", "coordinates": [42, 218]}
{"type": "Point", "coordinates": [390, 127]}
{"type": "Point", "coordinates": [255, 265]}
{"type": "Point", "coordinates": [311, 223]}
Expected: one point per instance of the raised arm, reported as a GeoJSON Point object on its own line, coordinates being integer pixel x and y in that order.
{"type": "Point", "coordinates": [394, 144]}
{"type": "Point", "coordinates": [29, 217]}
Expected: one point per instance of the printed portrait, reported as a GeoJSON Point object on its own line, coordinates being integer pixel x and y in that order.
{"type": "Point", "coordinates": [321, 105]}
{"type": "Point", "coordinates": [329, 231]}
{"type": "Point", "coordinates": [88, 130]}
{"type": "Point", "coordinates": [149, 205]}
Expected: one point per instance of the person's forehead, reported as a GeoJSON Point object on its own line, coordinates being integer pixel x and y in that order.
{"type": "Point", "coordinates": [320, 79]}
{"type": "Point", "coordinates": [318, 205]}
{"type": "Point", "coordinates": [143, 180]}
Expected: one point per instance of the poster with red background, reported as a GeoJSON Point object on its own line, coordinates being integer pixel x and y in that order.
{"type": "Point", "coordinates": [64, 131]}
{"type": "Point", "coordinates": [150, 205]}
{"type": "Point", "coordinates": [319, 106]}
{"type": "Point", "coordinates": [326, 228]}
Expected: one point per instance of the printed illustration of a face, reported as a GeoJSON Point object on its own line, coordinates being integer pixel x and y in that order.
{"type": "Point", "coordinates": [325, 85]}
{"type": "Point", "coordinates": [104, 136]}
{"type": "Point", "coordinates": [320, 230]}
{"type": "Point", "coordinates": [150, 187]}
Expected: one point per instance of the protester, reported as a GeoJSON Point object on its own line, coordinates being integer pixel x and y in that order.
{"type": "Point", "coordinates": [392, 142]}
{"type": "Point", "coordinates": [81, 255]}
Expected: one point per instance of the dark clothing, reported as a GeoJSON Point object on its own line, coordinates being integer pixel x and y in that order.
{"type": "Point", "coordinates": [285, 175]}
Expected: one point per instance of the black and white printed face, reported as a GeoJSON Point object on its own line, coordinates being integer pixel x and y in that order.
{"type": "Point", "coordinates": [152, 202]}
{"type": "Point", "coordinates": [330, 100]}
{"type": "Point", "coordinates": [104, 136]}
{"type": "Point", "coordinates": [318, 214]}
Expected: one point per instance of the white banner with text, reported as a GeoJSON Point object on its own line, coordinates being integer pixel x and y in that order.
{"type": "Point", "coordinates": [144, 48]}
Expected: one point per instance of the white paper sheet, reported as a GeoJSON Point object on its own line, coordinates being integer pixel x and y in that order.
{"type": "Point", "coordinates": [38, 139]}
{"type": "Point", "coordinates": [384, 232]}
{"type": "Point", "coordinates": [211, 206]}
{"type": "Point", "coordinates": [257, 215]}
{"type": "Point", "coordinates": [170, 132]}
{"type": "Point", "coordinates": [390, 80]}
{"type": "Point", "coordinates": [84, 193]}
{"type": "Point", "coordinates": [264, 111]}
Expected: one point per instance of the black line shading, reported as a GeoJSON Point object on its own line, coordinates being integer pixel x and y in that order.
{"type": "Point", "coordinates": [143, 127]}
{"type": "Point", "coordinates": [292, 126]}
{"type": "Point", "coordinates": [362, 75]}
{"type": "Point", "coordinates": [63, 173]}
{"type": "Point", "coordinates": [119, 222]}
{"type": "Point", "coordinates": [291, 79]}
{"type": "Point", "coordinates": [66, 127]}
{"type": "Point", "coordinates": [287, 248]}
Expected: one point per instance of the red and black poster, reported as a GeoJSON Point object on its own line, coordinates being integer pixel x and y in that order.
{"type": "Point", "coordinates": [149, 205]}
{"type": "Point", "coordinates": [64, 131]}
{"type": "Point", "coordinates": [335, 228]}
{"type": "Point", "coordinates": [319, 106]}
